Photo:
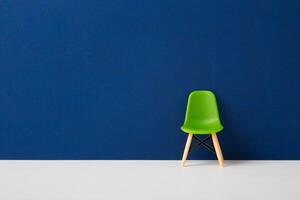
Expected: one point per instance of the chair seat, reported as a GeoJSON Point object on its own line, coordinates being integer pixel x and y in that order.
{"type": "Point", "coordinates": [202, 130]}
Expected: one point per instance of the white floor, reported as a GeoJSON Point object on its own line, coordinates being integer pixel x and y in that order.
{"type": "Point", "coordinates": [85, 180]}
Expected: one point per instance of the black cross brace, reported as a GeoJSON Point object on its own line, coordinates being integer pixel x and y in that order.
{"type": "Point", "coordinates": [203, 143]}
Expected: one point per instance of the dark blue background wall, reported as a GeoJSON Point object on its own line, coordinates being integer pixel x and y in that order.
{"type": "Point", "coordinates": [109, 79]}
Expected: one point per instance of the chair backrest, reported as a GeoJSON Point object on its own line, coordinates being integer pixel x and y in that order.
{"type": "Point", "coordinates": [202, 107]}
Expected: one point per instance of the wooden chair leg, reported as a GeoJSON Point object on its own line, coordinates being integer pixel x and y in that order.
{"type": "Point", "coordinates": [186, 149]}
{"type": "Point", "coordinates": [218, 149]}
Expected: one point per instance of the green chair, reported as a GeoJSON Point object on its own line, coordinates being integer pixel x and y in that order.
{"type": "Point", "coordinates": [202, 117]}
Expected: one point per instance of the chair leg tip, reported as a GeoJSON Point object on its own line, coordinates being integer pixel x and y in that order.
{"type": "Point", "coordinates": [222, 165]}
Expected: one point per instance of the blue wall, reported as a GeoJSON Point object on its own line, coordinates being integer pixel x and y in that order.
{"type": "Point", "coordinates": [109, 79]}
